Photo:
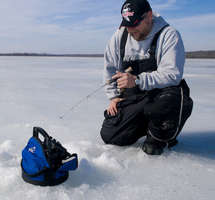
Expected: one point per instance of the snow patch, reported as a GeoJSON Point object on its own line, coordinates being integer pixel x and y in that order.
{"type": "Point", "coordinates": [105, 172]}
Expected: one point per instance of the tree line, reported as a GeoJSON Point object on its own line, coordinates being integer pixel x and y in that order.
{"type": "Point", "coordinates": [191, 54]}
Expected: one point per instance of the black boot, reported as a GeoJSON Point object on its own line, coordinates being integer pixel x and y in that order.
{"type": "Point", "coordinates": [172, 143]}
{"type": "Point", "coordinates": [152, 146]}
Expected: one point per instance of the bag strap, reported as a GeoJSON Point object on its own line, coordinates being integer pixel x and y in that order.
{"type": "Point", "coordinates": [123, 43]}
{"type": "Point", "coordinates": [152, 47]}
{"type": "Point", "coordinates": [155, 39]}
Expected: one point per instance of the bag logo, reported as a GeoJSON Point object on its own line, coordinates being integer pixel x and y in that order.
{"type": "Point", "coordinates": [32, 149]}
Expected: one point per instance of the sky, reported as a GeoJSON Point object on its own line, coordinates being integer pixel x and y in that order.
{"type": "Point", "coordinates": [85, 26]}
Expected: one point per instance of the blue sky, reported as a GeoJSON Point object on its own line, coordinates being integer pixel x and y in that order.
{"type": "Point", "coordinates": [85, 26]}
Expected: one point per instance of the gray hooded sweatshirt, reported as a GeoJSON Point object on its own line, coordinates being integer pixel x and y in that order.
{"type": "Point", "coordinates": [169, 54]}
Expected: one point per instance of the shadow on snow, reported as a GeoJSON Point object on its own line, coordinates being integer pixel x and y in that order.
{"type": "Point", "coordinates": [197, 143]}
{"type": "Point", "coordinates": [89, 174]}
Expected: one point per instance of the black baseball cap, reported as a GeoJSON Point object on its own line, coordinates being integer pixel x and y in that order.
{"type": "Point", "coordinates": [132, 12]}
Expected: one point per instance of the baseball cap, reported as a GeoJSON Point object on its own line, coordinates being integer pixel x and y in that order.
{"type": "Point", "coordinates": [132, 12]}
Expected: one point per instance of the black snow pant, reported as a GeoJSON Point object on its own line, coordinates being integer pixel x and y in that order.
{"type": "Point", "coordinates": [161, 113]}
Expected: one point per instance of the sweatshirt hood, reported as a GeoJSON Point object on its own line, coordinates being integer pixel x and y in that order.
{"type": "Point", "coordinates": [158, 24]}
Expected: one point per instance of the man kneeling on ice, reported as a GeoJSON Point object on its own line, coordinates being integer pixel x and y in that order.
{"type": "Point", "coordinates": [152, 99]}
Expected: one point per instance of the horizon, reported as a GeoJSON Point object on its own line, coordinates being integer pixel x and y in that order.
{"type": "Point", "coordinates": [87, 53]}
{"type": "Point", "coordinates": [84, 26]}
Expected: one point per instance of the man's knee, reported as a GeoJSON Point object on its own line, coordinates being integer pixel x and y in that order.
{"type": "Point", "coordinates": [163, 129]}
{"type": "Point", "coordinates": [106, 137]}
{"type": "Point", "coordinates": [120, 138]}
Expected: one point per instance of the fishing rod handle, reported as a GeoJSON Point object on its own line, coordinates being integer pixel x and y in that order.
{"type": "Point", "coordinates": [128, 70]}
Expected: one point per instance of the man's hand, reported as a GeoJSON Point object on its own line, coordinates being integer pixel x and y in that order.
{"type": "Point", "coordinates": [125, 80]}
{"type": "Point", "coordinates": [112, 109]}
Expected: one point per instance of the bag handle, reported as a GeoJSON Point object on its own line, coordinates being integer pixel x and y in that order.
{"type": "Point", "coordinates": [37, 131]}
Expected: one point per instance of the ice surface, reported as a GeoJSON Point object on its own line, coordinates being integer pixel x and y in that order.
{"type": "Point", "coordinates": [35, 91]}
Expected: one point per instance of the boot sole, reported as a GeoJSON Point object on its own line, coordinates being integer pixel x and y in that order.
{"type": "Point", "coordinates": [151, 150]}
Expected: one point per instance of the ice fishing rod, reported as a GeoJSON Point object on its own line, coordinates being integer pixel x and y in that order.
{"type": "Point", "coordinates": [91, 94]}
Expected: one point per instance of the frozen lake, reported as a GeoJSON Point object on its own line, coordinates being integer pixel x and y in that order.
{"type": "Point", "coordinates": [36, 91]}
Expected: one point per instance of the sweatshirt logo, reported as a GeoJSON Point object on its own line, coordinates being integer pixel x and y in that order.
{"type": "Point", "coordinates": [126, 12]}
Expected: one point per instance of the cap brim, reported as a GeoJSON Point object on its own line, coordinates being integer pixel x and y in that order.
{"type": "Point", "coordinates": [127, 24]}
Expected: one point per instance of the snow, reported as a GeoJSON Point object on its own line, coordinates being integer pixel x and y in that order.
{"type": "Point", "coordinates": [36, 91]}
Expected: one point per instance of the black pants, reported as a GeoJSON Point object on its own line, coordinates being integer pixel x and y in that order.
{"type": "Point", "coordinates": [161, 113]}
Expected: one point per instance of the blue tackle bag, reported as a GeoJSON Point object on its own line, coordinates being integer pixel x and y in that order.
{"type": "Point", "coordinates": [45, 161]}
